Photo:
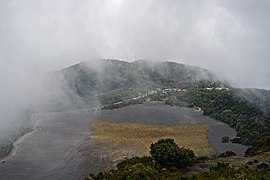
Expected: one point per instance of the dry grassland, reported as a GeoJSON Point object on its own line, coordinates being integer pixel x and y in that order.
{"type": "Point", "coordinates": [139, 136]}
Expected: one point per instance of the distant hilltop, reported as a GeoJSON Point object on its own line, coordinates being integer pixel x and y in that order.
{"type": "Point", "coordinates": [101, 76]}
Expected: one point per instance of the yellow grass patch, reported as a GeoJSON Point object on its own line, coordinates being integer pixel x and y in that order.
{"type": "Point", "coordinates": [139, 136]}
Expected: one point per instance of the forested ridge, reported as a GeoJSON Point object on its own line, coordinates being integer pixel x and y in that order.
{"type": "Point", "coordinates": [251, 121]}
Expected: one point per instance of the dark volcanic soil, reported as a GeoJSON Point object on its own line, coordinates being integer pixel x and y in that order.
{"type": "Point", "coordinates": [60, 147]}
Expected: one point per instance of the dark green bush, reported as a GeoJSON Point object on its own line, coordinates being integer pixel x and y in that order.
{"type": "Point", "coordinates": [202, 159]}
{"type": "Point", "coordinates": [256, 161]}
{"type": "Point", "coordinates": [225, 139]}
{"type": "Point", "coordinates": [169, 155]}
{"type": "Point", "coordinates": [227, 154]}
{"type": "Point", "coordinates": [145, 160]}
{"type": "Point", "coordinates": [220, 166]}
{"type": "Point", "coordinates": [263, 166]}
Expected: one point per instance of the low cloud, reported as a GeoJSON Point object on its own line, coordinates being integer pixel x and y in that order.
{"type": "Point", "coordinates": [230, 38]}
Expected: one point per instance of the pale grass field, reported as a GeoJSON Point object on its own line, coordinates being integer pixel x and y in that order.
{"type": "Point", "coordinates": [139, 136]}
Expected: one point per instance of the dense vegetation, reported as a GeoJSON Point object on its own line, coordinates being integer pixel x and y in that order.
{"type": "Point", "coordinates": [138, 168]}
{"type": "Point", "coordinates": [231, 107]}
{"type": "Point", "coordinates": [166, 153]}
{"type": "Point", "coordinates": [5, 149]}
{"type": "Point", "coordinates": [140, 171]}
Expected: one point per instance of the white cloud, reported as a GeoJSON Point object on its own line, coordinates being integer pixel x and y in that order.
{"type": "Point", "coordinates": [228, 37]}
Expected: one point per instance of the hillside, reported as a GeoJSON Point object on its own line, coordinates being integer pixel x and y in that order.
{"type": "Point", "coordinates": [102, 81]}
{"type": "Point", "coordinates": [106, 75]}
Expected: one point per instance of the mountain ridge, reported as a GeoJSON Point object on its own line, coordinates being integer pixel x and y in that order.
{"type": "Point", "coordinates": [126, 73]}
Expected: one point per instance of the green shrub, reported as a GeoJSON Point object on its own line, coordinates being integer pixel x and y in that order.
{"type": "Point", "coordinates": [202, 159]}
{"type": "Point", "coordinates": [220, 166]}
{"type": "Point", "coordinates": [227, 154]}
{"type": "Point", "coordinates": [145, 160]}
{"type": "Point", "coordinates": [263, 166]}
{"type": "Point", "coordinates": [169, 155]}
{"type": "Point", "coordinates": [225, 139]}
{"type": "Point", "coordinates": [256, 161]}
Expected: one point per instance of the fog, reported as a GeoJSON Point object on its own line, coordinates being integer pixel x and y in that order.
{"type": "Point", "coordinates": [230, 38]}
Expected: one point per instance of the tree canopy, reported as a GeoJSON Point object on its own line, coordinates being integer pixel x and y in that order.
{"type": "Point", "coordinates": [169, 155]}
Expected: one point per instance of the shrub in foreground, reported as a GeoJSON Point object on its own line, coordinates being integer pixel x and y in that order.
{"type": "Point", "coordinates": [169, 155]}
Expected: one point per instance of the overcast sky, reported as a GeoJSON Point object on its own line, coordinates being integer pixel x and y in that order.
{"type": "Point", "coordinates": [230, 37]}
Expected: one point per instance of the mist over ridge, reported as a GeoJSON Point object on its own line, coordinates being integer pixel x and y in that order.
{"type": "Point", "coordinates": [89, 78]}
{"type": "Point", "coordinates": [228, 38]}
{"type": "Point", "coordinates": [66, 63]}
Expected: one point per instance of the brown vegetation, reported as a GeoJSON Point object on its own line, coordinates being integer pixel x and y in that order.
{"type": "Point", "coordinates": [139, 136]}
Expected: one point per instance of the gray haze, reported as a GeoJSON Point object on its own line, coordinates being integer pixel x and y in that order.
{"type": "Point", "coordinates": [230, 38]}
